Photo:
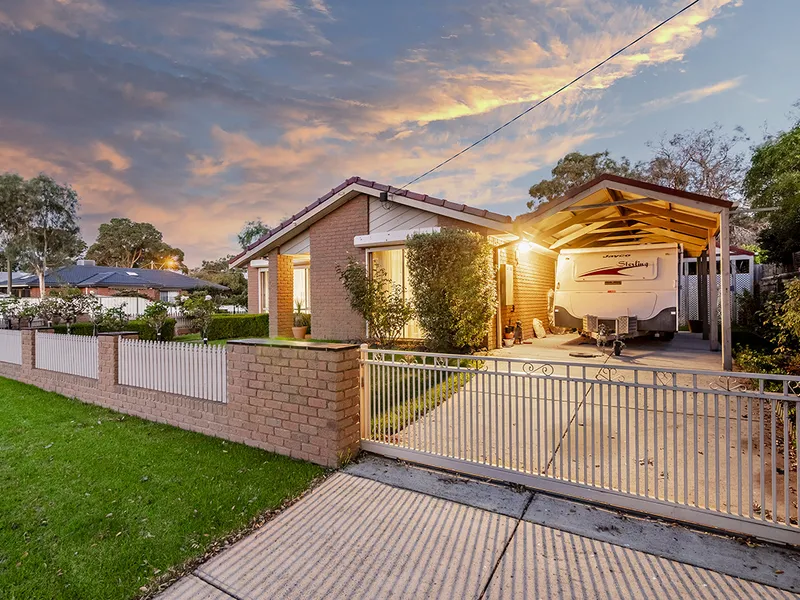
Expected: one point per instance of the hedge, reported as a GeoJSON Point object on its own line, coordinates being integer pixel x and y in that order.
{"type": "Point", "coordinates": [226, 327]}
{"type": "Point", "coordinates": [143, 329]}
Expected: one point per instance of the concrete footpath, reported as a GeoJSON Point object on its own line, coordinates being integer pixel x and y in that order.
{"type": "Point", "coordinates": [381, 529]}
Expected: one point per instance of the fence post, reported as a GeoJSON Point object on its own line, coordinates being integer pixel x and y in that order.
{"type": "Point", "coordinates": [364, 388]}
{"type": "Point", "coordinates": [28, 349]}
{"type": "Point", "coordinates": [108, 358]}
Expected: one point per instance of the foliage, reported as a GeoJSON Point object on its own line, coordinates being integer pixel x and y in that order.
{"type": "Point", "coordinates": [156, 315]}
{"type": "Point", "coordinates": [15, 207]}
{"type": "Point", "coordinates": [773, 181]}
{"type": "Point", "coordinates": [251, 231]}
{"type": "Point", "coordinates": [220, 272]}
{"type": "Point", "coordinates": [199, 308]}
{"type": "Point", "coordinates": [125, 243]}
{"type": "Point", "coordinates": [378, 299]}
{"type": "Point", "coordinates": [576, 169]}
{"type": "Point", "coordinates": [51, 237]}
{"type": "Point", "coordinates": [98, 504]}
{"type": "Point", "coordinates": [300, 318]}
{"type": "Point", "coordinates": [143, 328]}
{"type": "Point", "coordinates": [453, 279]}
{"type": "Point", "coordinates": [10, 309]}
{"type": "Point", "coordinates": [226, 327]}
{"type": "Point", "coordinates": [114, 319]}
{"type": "Point", "coordinates": [779, 318]}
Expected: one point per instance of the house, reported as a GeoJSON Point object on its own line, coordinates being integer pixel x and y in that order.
{"type": "Point", "coordinates": [108, 281]}
{"type": "Point", "coordinates": [296, 261]}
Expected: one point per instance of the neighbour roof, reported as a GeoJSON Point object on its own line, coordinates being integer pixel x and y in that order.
{"type": "Point", "coordinates": [380, 187]}
{"type": "Point", "coordinates": [94, 276]}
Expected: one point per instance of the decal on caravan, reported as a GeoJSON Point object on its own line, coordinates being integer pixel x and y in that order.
{"type": "Point", "coordinates": [616, 292]}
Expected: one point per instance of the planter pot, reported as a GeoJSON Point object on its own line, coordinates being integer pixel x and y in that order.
{"type": "Point", "coordinates": [308, 336]}
{"type": "Point", "coordinates": [508, 342]}
{"type": "Point", "coordinates": [299, 333]}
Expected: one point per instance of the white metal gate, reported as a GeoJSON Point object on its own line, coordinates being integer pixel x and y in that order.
{"type": "Point", "coordinates": [712, 448]}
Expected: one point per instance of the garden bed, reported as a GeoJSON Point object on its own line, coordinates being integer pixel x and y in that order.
{"type": "Point", "coordinates": [97, 504]}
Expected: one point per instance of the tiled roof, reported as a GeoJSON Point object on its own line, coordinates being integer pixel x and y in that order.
{"type": "Point", "coordinates": [469, 210]}
{"type": "Point", "coordinates": [94, 276]}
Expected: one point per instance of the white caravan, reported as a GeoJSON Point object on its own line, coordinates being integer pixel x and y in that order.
{"type": "Point", "coordinates": [620, 291]}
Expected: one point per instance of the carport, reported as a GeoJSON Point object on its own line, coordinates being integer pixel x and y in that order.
{"type": "Point", "coordinates": [618, 211]}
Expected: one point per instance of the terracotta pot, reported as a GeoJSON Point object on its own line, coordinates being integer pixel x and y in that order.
{"type": "Point", "coordinates": [299, 333]}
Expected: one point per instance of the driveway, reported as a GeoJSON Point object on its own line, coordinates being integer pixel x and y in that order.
{"type": "Point", "coordinates": [697, 449]}
{"type": "Point", "coordinates": [371, 532]}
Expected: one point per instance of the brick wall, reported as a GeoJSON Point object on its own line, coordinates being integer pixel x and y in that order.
{"type": "Point", "coordinates": [252, 289]}
{"type": "Point", "coordinates": [281, 294]}
{"type": "Point", "coordinates": [300, 401]}
{"type": "Point", "coordinates": [331, 245]}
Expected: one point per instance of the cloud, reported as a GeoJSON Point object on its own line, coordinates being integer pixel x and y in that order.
{"type": "Point", "coordinates": [105, 153]}
{"type": "Point", "coordinates": [695, 95]}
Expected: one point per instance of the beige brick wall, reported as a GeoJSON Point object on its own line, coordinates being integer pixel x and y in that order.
{"type": "Point", "coordinates": [252, 289]}
{"type": "Point", "coordinates": [300, 402]}
{"type": "Point", "coordinates": [331, 245]}
{"type": "Point", "coordinates": [281, 294]}
{"type": "Point", "coordinates": [534, 277]}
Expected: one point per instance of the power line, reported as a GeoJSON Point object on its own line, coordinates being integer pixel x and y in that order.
{"type": "Point", "coordinates": [554, 94]}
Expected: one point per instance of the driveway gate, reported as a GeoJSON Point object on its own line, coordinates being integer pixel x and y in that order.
{"type": "Point", "coordinates": [711, 448]}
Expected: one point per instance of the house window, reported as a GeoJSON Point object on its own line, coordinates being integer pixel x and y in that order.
{"type": "Point", "coordinates": [396, 266]}
{"type": "Point", "coordinates": [168, 296]}
{"type": "Point", "coordinates": [263, 290]}
{"type": "Point", "coordinates": [743, 266]}
{"type": "Point", "coordinates": [302, 289]}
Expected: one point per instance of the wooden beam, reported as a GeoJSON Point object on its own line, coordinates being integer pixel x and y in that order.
{"type": "Point", "coordinates": [575, 235]}
{"type": "Point", "coordinates": [713, 315]}
{"type": "Point", "coordinates": [579, 219]}
{"type": "Point", "coordinates": [679, 227]}
{"type": "Point", "coordinates": [680, 237]}
{"type": "Point", "coordinates": [725, 288]}
{"type": "Point", "coordinates": [676, 215]}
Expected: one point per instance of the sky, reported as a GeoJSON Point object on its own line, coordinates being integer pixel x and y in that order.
{"type": "Point", "coordinates": [197, 115]}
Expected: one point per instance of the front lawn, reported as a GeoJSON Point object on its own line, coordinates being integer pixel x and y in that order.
{"type": "Point", "coordinates": [96, 504]}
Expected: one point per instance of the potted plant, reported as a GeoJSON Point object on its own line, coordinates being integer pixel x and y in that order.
{"type": "Point", "coordinates": [300, 327]}
{"type": "Point", "coordinates": [508, 335]}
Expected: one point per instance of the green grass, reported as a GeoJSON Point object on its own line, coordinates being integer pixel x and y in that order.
{"type": "Point", "coordinates": [96, 504]}
{"type": "Point", "coordinates": [194, 338]}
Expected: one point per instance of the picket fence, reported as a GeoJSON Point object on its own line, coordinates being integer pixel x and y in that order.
{"type": "Point", "coordinates": [11, 346]}
{"type": "Point", "coordinates": [174, 367]}
{"type": "Point", "coordinates": [73, 354]}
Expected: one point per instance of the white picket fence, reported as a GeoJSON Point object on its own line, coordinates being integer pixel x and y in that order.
{"type": "Point", "coordinates": [132, 305]}
{"type": "Point", "coordinates": [73, 354]}
{"type": "Point", "coordinates": [174, 367]}
{"type": "Point", "coordinates": [11, 346]}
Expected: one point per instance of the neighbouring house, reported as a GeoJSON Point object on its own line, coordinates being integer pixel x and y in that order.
{"type": "Point", "coordinates": [296, 261]}
{"type": "Point", "coordinates": [109, 281]}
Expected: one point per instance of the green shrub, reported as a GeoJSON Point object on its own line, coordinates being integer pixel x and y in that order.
{"type": "Point", "coordinates": [143, 329]}
{"type": "Point", "coordinates": [225, 327]}
{"type": "Point", "coordinates": [452, 276]}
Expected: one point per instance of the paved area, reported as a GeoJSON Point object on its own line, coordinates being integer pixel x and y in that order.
{"type": "Point", "coordinates": [371, 532]}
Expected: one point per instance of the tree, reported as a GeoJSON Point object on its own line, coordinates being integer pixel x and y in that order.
{"type": "Point", "coordinates": [452, 276]}
{"type": "Point", "coordinates": [15, 209]}
{"type": "Point", "coordinates": [251, 231]}
{"type": "Point", "coordinates": [125, 243]}
{"type": "Point", "coordinates": [200, 309]}
{"type": "Point", "coordinates": [51, 236]}
{"type": "Point", "coordinates": [376, 298]}
{"type": "Point", "coordinates": [155, 315]}
{"type": "Point", "coordinates": [576, 169]}
{"type": "Point", "coordinates": [773, 181]}
{"type": "Point", "coordinates": [219, 271]}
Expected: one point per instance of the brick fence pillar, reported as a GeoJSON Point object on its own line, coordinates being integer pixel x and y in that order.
{"type": "Point", "coordinates": [108, 358]}
{"type": "Point", "coordinates": [28, 350]}
{"type": "Point", "coordinates": [300, 399]}
{"type": "Point", "coordinates": [281, 294]}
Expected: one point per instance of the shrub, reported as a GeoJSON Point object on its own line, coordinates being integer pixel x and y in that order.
{"type": "Point", "coordinates": [378, 299]}
{"type": "Point", "coordinates": [144, 330]}
{"type": "Point", "coordinates": [225, 327]}
{"type": "Point", "coordinates": [199, 308]}
{"type": "Point", "coordinates": [452, 276]}
{"type": "Point", "coordinates": [156, 315]}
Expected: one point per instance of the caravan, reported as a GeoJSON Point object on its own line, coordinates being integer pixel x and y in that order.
{"type": "Point", "coordinates": [618, 292]}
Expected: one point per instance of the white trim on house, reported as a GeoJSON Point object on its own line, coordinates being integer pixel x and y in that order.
{"type": "Point", "coordinates": [389, 238]}
{"type": "Point", "coordinates": [259, 263]}
{"type": "Point", "coordinates": [449, 212]}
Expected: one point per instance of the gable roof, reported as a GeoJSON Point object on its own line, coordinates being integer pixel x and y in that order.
{"type": "Point", "coordinates": [458, 211]}
{"type": "Point", "coordinates": [94, 276]}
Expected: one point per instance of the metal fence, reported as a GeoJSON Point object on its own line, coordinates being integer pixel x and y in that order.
{"type": "Point", "coordinates": [177, 368]}
{"type": "Point", "coordinates": [73, 354]}
{"type": "Point", "coordinates": [713, 448]}
{"type": "Point", "coordinates": [11, 346]}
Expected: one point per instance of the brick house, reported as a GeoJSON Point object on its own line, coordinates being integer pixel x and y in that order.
{"type": "Point", "coordinates": [296, 261]}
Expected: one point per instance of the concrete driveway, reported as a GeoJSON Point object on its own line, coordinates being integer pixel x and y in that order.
{"type": "Point", "coordinates": [372, 533]}
{"type": "Point", "coordinates": [696, 449]}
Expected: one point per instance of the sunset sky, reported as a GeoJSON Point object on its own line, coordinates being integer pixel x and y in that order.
{"type": "Point", "coordinates": [197, 115]}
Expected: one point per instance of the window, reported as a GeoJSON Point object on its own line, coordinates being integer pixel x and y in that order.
{"type": "Point", "coordinates": [691, 268]}
{"type": "Point", "coordinates": [302, 289]}
{"type": "Point", "coordinates": [263, 290]}
{"type": "Point", "coordinates": [168, 296]}
{"type": "Point", "coordinates": [743, 266]}
{"type": "Point", "coordinates": [395, 265]}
